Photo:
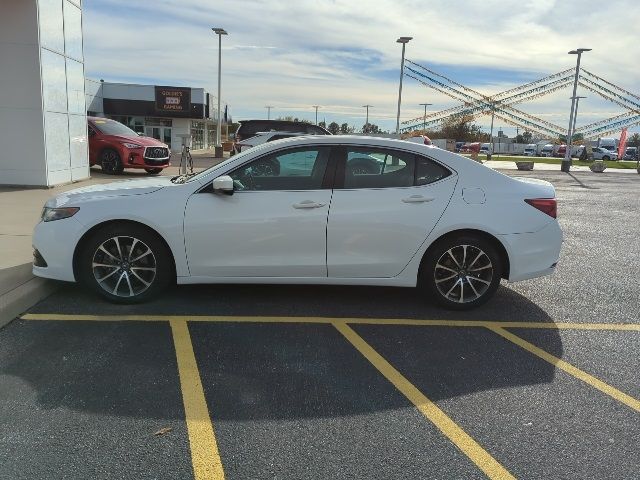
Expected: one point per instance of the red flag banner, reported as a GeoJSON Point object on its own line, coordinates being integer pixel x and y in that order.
{"type": "Point", "coordinates": [622, 146]}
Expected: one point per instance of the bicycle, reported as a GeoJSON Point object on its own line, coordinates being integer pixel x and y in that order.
{"type": "Point", "coordinates": [186, 159]}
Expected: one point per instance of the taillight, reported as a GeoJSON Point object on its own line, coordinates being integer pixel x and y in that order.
{"type": "Point", "coordinates": [545, 205]}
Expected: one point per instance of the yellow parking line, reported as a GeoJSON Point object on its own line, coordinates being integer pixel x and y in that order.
{"type": "Point", "coordinates": [570, 369]}
{"type": "Point", "coordinates": [489, 465]}
{"type": "Point", "coordinates": [361, 321]}
{"type": "Point", "coordinates": [202, 440]}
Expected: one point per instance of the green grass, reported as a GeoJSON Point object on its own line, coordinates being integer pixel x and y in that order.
{"type": "Point", "coordinates": [557, 161]}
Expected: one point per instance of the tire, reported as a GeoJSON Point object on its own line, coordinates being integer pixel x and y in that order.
{"type": "Point", "coordinates": [125, 263]}
{"type": "Point", "coordinates": [606, 158]}
{"type": "Point", "coordinates": [447, 277]}
{"type": "Point", "coordinates": [111, 162]}
{"type": "Point", "coordinates": [153, 171]}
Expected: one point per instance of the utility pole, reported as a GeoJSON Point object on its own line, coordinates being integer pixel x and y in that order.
{"type": "Point", "coordinates": [367, 120]}
{"type": "Point", "coordinates": [403, 41]}
{"type": "Point", "coordinates": [268, 107]}
{"type": "Point", "coordinates": [424, 119]}
{"type": "Point", "coordinates": [316, 107]}
{"type": "Point", "coordinates": [493, 113]}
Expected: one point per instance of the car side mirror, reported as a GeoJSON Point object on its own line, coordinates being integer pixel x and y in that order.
{"type": "Point", "coordinates": [223, 184]}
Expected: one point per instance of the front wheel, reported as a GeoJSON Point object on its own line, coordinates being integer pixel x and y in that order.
{"type": "Point", "coordinates": [125, 263]}
{"type": "Point", "coordinates": [606, 158]}
{"type": "Point", "coordinates": [462, 272]}
{"type": "Point", "coordinates": [111, 162]}
{"type": "Point", "coordinates": [153, 171]}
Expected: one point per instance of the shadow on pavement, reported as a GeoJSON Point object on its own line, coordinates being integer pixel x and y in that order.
{"type": "Point", "coordinates": [268, 370]}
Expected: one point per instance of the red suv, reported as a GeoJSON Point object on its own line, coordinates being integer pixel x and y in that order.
{"type": "Point", "coordinates": [115, 147]}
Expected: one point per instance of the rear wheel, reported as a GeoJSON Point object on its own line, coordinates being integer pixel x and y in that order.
{"type": "Point", "coordinates": [125, 263]}
{"type": "Point", "coordinates": [462, 272]}
{"type": "Point", "coordinates": [153, 171]}
{"type": "Point", "coordinates": [606, 158]}
{"type": "Point", "coordinates": [111, 162]}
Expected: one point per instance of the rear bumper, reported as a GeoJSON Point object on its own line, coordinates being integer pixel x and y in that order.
{"type": "Point", "coordinates": [535, 254]}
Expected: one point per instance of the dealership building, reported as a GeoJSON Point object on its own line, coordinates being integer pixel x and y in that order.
{"type": "Point", "coordinates": [45, 98]}
{"type": "Point", "coordinates": [162, 112]}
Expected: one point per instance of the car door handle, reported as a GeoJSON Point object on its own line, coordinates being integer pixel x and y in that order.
{"type": "Point", "coordinates": [308, 204]}
{"type": "Point", "coordinates": [417, 199]}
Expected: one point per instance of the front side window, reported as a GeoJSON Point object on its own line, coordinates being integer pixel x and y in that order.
{"type": "Point", "coordinates": [294, 169]}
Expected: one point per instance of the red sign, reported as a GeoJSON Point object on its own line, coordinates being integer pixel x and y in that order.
{"type": "Point", "coordinates": [622, 146]}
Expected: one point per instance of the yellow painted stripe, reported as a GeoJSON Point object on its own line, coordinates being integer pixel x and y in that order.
{"type": "Point", "coordinates": [489, 465]}
{"type": "Point", "coordinates": [363, 321]}
{"type": "Point", "coordinates": [570, 369]}
{"type": "Point", "coordinates": [202, 440]}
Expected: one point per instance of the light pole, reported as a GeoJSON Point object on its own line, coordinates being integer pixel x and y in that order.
{"type": "Point", "coordinates": [366, 123]}
{"type": "Point", "coordinates": [219, 32]}
{"type": "Point", "coordinates": [424, 119]}
{"type": "Point", "coordinates": [566, 161]}
{"type": "Point", "coordinates": [403, 41]}
{"type": "Point", "coordinates": [575, 114]}
{"type": "Point", "coordinates": [316, 107]}
{"type": "Point", "coordinates": [493, 114]}
{"type": "Point", "coordinates": [268, 107]}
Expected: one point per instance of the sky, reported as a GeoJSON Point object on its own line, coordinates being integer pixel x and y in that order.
{"type": "Point", "coordinates": [342, 55]}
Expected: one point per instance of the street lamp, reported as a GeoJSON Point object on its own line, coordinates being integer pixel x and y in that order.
{"type": "Point", "coordinates": [316, 107]}
{"type": "Point", "coordinates": [219, 32]}
{"type": "Point", "coordinates": [268, 107]}
{"type": "Point", "coordinates": [566, 161]}
{"type": "Point", "coordinates": [403, 41]}
{"type": "Point", "coordinates": [575, 114]}
{"type": "Point", "coordinates": [424, 119]}
{"type": "Point", "coordinates": [366, 123]}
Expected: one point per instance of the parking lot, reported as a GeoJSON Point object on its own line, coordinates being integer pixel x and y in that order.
{"type": "Point", "coordinates": [242, 381]}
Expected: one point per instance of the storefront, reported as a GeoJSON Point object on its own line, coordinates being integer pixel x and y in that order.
{"type": "Point", "coordinates": [161, 112]}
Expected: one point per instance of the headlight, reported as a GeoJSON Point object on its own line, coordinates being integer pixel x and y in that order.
{"type": "Point", "coordinates": [132, 145]}
{"type": "Point", "coordinates": [51, 214]}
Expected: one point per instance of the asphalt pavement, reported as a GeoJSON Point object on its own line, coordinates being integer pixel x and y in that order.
{"type": "Point", "coordinates": [343, 382]}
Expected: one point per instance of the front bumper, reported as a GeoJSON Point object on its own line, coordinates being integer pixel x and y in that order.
{"type": "Point", "coordinates": [55, 242]}
{"type": "Point", "coordinates": [534, 254]}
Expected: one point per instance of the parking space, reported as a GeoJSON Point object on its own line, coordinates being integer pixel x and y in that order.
{"type": "Point", "coordinates": [341, 382]}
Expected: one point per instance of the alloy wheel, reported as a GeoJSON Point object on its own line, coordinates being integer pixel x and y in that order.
{"type": "Point", "coordinates": [124, 266]}
{"type": "Point", "coordinates": [463, 273]}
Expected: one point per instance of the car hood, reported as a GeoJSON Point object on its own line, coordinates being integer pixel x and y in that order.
{"type": "Point", "coordinates": [113, 189]}
{"type": "Point", "coordinates": [138, 140]}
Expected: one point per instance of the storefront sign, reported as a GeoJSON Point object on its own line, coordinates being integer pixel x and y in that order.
{"type": "Point", "coordinates": [173, 99]}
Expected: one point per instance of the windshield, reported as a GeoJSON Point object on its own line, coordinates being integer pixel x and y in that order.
{"type": "Point", "coordinates": [111, 127]}
{"type": "Point", "coordinates": [244, 153]}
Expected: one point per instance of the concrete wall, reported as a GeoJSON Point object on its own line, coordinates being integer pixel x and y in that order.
{"type": "Point", "coordinates": [43, 125]}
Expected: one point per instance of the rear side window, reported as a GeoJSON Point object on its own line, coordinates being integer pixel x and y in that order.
{"type": "Point", "coordinates": [377, 168]}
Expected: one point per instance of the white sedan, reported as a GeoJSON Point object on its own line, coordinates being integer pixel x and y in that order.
{"type": "Point", "coordinates": [330, 210]}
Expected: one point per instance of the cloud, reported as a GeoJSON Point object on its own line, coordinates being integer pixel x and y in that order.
{"type": "Point", "coordinates": [343, 54]}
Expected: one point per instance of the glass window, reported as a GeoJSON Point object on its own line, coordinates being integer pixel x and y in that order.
{"type": "Point", "coordinates": [373, 168]}
{"type": "Point", "coordinates": [297, 169]}
{"type": "Point", "coordinates": [157, 122]}
{"type": "Point", "coordinates": [111, 127]}
{"type": "Point", "coordinates": [428, 171]}
{"type": "Point", "coordinates": [72, 31]}
{"type": "Point", "coordinates": [51, 26]}
{"type": "Point", "coordinates": [54, 82]}
{"type": "Point", "coordinates": [75, 87]}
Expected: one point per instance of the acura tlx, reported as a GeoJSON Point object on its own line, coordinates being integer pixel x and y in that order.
{"type": "Point", "coordinates": [330, 210]}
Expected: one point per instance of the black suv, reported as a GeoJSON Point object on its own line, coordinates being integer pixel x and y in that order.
{"type": "Point", "coordinates": [249, 128]}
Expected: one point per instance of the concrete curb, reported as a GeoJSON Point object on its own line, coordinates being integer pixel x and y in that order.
{"type": "Point", "coordinates": [24, 296]}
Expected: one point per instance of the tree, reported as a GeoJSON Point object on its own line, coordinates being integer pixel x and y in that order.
{"type": "Point", "coordinates": [322, 124]}
{"type": "Point", "coordinates": [634, 140]}
{"type": "Point", "coordinates": [527, 136]}
{"type": "Point", "coordinates": [370, 128]}
{"type": "Point", "coordinates": [345, 128]}
{"type": "Point", "coordinates": [520, 139]}
{"type": "Point", "coordinates": [461, 128]}
{"type": "Point", "coordinates": [334, 128]}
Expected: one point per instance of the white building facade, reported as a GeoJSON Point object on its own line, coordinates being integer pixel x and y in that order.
{"type": "Point", "coordinates": [43, 121]}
